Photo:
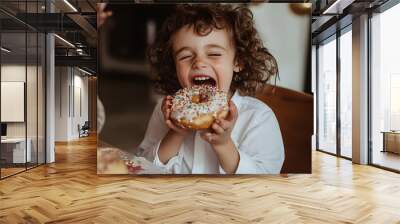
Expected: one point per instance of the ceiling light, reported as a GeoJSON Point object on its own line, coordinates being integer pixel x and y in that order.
{"type": "Point", "coordinates": [65, 41]}
{"type": "Point", "coordinates": [5, 50]}
{"type": "Point", "coordinates": [70, 5]}
{"type": "Point", "coordinates": [338, 6]}
{"type": "Point", "coordinates": [79, 51]}
{"type": "Point", "coordinates": [84, 71]}
{"type": "Point", "coordinates": [331, 7]}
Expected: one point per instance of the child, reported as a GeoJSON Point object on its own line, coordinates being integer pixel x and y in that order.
{"type": "Point", "coordinates": [218, 41]}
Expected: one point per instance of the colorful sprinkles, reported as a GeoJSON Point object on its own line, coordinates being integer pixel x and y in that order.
{"type": "Point", "coordinates": [184, 108]}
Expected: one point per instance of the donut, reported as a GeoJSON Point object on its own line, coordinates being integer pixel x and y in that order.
{"type": "Point", "coordinates": [198, 106]}
{"type": "Point", "coordinates": [109, 161]}
{"type": "Point", "coordinates": [114, 161]}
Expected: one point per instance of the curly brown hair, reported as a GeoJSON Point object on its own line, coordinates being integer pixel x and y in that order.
{"type": "Point", "coordinates": [256, 62]}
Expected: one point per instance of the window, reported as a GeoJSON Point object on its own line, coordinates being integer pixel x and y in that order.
{"type": "Point", "coordinates": [385, 88]}
{"type": "Point", "coordinates": [22, 72]}
{"type": "Point", "coordinates": [346, 94]}
{"type": "Point", "coordinates": [327, 96]}
{"type": "Point", "coordinates": [394, 101]}
{"type": "Point", "coordinates": [329, 113]}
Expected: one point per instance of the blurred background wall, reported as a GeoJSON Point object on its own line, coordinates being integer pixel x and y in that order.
{"type": "Point", "coordinates": [287, 35]}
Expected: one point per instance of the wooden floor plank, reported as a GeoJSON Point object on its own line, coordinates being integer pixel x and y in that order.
{"type": "Point", "coordinates": [70, 191]}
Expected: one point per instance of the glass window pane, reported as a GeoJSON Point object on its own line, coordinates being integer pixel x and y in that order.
{"type": "Point", "coordinates": [314, 90]}
{"type": "Point", "coordinates": [31, 100]}
{"type": "Point", "coordinates": [22, 63]}
{"type": "Point", "coordinates": [13, 87]}
{"type": "Point", "coordinates": [327, 97]}
{"type": "Point", "coordinates": [41, 98]}
{"type": "Point", "coordinates": [385, 86]}
{"type": "Point", "coordinates": [346, 94]}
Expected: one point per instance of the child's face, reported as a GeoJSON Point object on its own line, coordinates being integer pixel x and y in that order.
{"type": "Point", "coordinates": [204, 59]}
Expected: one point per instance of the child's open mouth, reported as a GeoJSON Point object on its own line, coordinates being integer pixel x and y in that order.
{"type": "Point", "coordinates": [203, 80]}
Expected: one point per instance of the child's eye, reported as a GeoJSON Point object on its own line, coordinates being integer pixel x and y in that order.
{"type": "Point", "coordinates": [214, 55]}
{"type": "Point", "coordinates": [184, 57]}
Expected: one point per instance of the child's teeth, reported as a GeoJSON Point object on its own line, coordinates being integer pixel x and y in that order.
{"type": "Point", "coordinates": [201, 78]}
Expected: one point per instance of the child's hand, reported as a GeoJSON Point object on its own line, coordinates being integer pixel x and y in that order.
{"type": "Point", "coordinates": [221, 129]}
{"type": "Point", "coordinates": [166, 109]}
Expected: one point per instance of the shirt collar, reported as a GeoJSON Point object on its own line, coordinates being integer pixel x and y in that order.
{"type": "Point", "coordinates": [237, 99]}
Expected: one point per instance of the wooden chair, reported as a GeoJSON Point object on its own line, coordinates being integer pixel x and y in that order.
{"type": "Point", "coordinates": [294, 111]}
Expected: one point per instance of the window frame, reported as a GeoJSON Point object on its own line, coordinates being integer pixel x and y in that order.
{"type": "Point", "coordinates": [334, 37]}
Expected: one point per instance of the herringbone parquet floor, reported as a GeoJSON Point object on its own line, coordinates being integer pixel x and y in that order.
{"type": "Point", "coordinates": [69, 191]}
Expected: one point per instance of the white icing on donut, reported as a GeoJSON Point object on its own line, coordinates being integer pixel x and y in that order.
{"type": "Point", "coordinates": [184, 108]}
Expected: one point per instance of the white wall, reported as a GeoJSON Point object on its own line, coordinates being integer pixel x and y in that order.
{"type": "Point", "coordinates": [286, 35]}
{"type": "Point", "coordinates": [33, 127]}
{"type": "Point", "coordinates": [16, 73]}
{"type": "Point", "coordinates": [71, 93]}
{"type": "Point", "coordinates": [82, 83]}
{"type": "Point", "coordinates": [81, 104]}
{"type": "Point", "coordinates": [50, 95]}
{"type": "Point", "coordinates": [12, 101]}
{"type": "Point", "coordinates": [61, 103]}
{"type": "Point", "coordinates": [13, 73]}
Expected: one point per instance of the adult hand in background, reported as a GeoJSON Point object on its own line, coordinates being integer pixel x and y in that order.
{"type": "Point", "coordinates": [102, 15]}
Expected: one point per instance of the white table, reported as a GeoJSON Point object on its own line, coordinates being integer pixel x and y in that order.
{"type": "Point", "coordinates": [18, 150]}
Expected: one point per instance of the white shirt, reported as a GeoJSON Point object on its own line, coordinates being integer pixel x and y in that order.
{"type": "Point", "coordinates": [256, 135]}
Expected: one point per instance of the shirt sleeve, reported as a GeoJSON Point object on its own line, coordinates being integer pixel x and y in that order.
{"type": "Point", "coordinates": [173, 165]}
{"type": "Point", "coordinates": [261, 147]}
{"type": "Point", "coordinates": [156, 130]}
